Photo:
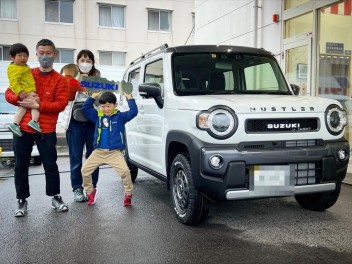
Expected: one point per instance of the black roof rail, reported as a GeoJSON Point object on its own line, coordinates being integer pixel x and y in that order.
{"type": "Point", "coordinates": [149, 53]}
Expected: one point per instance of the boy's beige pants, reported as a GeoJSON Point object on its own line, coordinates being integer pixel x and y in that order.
{"type": "Point", "coordinates": [113, 158]}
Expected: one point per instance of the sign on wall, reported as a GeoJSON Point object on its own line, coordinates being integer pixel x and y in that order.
{"type": "Point", "coordinates": [333, 47]}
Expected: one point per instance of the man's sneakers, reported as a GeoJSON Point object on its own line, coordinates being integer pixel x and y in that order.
{"type": "Point", "coordinates": [127, 200]}
{"type": "Point", "coordinates": [58, 204]}
{"type": "Point", "coordinates": [35, 126]}
{"type": "Point", "coordinates": [15, 129]}
{"type": "Point", "coordinates": [78, 195]}
{"type": "Point", "coordinates": [21, 208]}
{"type": "Point", "coordinates": [91, 197]}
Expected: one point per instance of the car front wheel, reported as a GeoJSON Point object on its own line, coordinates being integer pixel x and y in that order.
{"type": "Point", "coordinates": [319, 201]}
{"type": "Point", "coordinates": [190, 206]}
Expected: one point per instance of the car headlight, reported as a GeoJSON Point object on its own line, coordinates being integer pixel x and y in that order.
{"type": "Point", "coordinates": [335, 119]}
{"type": "Point", "coordinates": [219, 121]}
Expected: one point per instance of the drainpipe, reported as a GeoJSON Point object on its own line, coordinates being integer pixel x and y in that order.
{"type": "Point", "coordinates": [255, 23]}
{"type": "Point", "coordinates": [85, 23]}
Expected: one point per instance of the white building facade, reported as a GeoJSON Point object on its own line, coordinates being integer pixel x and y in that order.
{"type": "Point", "coordinates": [116, 31]}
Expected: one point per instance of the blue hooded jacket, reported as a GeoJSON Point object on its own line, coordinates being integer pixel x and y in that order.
{"type": "Point", "coordinates": [117, 122]}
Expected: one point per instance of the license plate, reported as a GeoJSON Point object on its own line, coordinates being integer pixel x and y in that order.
{"type": "Point", "coordinates": [265, 175]}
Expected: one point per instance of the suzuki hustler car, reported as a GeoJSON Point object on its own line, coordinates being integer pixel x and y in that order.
{"type": "Point", "coordinates": [221, 123]}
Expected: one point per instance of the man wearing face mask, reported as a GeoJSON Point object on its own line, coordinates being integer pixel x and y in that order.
{"type": "Point", "coordinates": [51, 99]}
{"type": "Point", "coordinates": [80, 134]}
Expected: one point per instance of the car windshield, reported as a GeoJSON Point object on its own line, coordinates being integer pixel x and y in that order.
{"type": "Point", "coordinates": [223, 73]}
{"type": "Point", "coordinates": [5, 107]}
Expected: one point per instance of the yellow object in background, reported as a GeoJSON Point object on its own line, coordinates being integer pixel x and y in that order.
{"type": "Point", "coordinates": [0, 151]}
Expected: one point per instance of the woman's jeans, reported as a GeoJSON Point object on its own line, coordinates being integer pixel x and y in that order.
{"type": "Point", "coordinates": [78, 135]}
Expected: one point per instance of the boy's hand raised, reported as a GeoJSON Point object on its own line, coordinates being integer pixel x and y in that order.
{"type": "Point", "coordinates": [96, 95]}
{"type": "Point", "coordinates": [128, 95]}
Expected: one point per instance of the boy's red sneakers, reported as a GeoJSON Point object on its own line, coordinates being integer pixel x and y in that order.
{"type": "Point", "coordinates": [92, 196]}
{"type": "Point", "coordinates": [127, 200]}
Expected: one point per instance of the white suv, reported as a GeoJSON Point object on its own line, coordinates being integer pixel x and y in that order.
{"type": "Point", "coordinates": [7, 112]}
{"type": "Point", "coordinates": [222, 123]}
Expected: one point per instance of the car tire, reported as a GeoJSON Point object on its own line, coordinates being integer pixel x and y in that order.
{"type": "Point", "coordinates": [37, 161]}
{"type": "Point", "coordinates": [190, 206]}
{"type": "Point", "coordinates": [319, 201]}
{"type": "Point", "coordinates": [133, 169]}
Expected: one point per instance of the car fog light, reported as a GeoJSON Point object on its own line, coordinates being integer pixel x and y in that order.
{"type": "Point", "coordinates": [216, 162]}
{"type": "Point", "coordinates": [342, 154]}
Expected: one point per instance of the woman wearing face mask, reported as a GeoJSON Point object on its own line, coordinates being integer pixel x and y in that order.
{"type": "Point", "coordinates": [79, 134]}
{"type": "Point", "coordinates": [85, 61]}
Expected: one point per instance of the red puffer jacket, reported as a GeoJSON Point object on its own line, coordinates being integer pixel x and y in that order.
{"type": "Point", "coordinates": [52, 89]}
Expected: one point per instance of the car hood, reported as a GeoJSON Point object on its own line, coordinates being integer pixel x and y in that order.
{"type": "Point", "coordinates": [244, 104]}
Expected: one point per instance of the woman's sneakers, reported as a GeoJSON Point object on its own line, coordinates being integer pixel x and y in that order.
{"type": "Point", "coordinates": [35, 126]}
{"type": "Point", "coordinates": [78, 195]}
{"type": "Point", "coordinates": [21, 208]}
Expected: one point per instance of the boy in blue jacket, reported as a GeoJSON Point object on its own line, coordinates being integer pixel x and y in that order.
{"type": "Point", "coordinates": [108, 141]}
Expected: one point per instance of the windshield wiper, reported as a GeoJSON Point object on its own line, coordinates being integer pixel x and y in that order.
{"type": "Point", "coordinates": [278, 92]}
{"type": "Point", "coordinates": [226, 92]}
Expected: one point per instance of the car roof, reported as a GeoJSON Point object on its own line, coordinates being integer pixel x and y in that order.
{"type": "Point", "coordinates": [217, 48]}
{"type": "Point", "coordinates": [203, 49]}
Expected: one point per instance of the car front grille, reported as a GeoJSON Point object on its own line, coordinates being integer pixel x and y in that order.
{"type": "Point", "coordinates": [307, 173]}
{"type": "Point", "coordinates": [282, 125]}
{"type": "Point", "coordinates": [245, 146]}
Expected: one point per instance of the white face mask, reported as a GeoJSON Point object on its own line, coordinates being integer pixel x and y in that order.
{"type": "Point", "coordinates": [85, 67]}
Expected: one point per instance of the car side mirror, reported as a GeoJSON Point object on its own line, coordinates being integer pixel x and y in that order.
{"type": "Point", "coordinates": [295, 88]}
{"type": "Point", "coordinates": [151, 90]}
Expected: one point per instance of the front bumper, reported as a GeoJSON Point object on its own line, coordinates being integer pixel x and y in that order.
{"type": "Point", "coordinates": [268, 172]}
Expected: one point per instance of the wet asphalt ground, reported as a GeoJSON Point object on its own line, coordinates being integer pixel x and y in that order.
{"type": "Point", "coordinates": [253, 231]}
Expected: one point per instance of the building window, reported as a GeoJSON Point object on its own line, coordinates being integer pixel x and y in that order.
{"type": "Point", "coordinates": [59, 11]}
{"type": "Point", "coordinates": [4, 53]}
{"type": "Point", "coordinates": [112, 58]}
{"type": "Point", "coordinates": [64, 56]}
{"type": "Point", "coordinates": [8, 9]}
{"type": "Point", "coordinates": [112, 16]}
{"type": "Point", "coordinates": [159, 20]}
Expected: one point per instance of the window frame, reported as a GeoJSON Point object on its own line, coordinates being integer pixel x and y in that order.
{"type": "Point", "coordinates": [169, 12]}
{"type": "Point", "coordinates": [151, 65]}
{"type": "Point", "coordinates": [4, 55]}
{"type": "Point", "coordinates": [58, 57]}
{"type": "Point", "coordinates": [111, 15]}
{"type": "Point", "coordinates": [105, 52]}
{"type": "Point", "coordinates": [58, 11]}
{"type": "Point", "coordinates": [14, 3]}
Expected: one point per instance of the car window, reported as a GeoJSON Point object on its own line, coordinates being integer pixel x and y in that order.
{"type": "Point", "coordinates": [225, 73]}
{"type": "Point", "coordinates": [5, 107]}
